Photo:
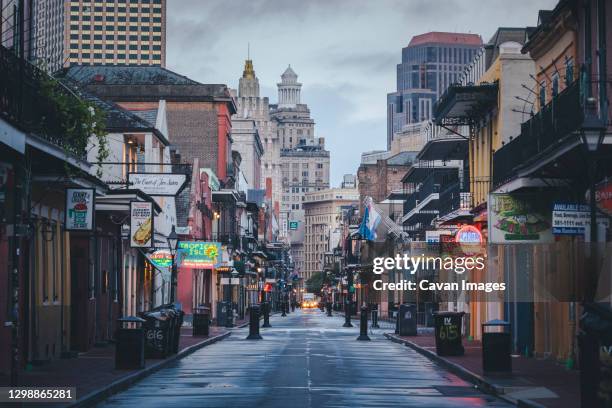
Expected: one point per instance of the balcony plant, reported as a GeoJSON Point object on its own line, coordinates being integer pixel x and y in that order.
{"type": "Point", "coordinates": [71, 120]}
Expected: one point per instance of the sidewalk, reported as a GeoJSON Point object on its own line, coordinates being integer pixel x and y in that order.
{"type": "Point", "coordinates": [533, 382]}
{"type": "Point", "coordinates": [93, 373]}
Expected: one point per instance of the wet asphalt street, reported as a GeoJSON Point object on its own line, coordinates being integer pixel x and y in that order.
{"type": "Point", "coordinates": [305, 360]}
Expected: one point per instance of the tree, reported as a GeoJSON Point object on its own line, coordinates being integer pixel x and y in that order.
{"type": "Point", "coordinates": [315, 283]}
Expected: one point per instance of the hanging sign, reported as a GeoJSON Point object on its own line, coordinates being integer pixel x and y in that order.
{"type": "Point", "coordinates": [158, 184]}
{"type": "Point", "coordinates": [603, 197]}
{"type": "Point", "coordinates": [141, 224]}
{"type": "Point", "coordinates": [198, 254]}
{"type": "Point", "coordinates": [161, 258]}
{"type": "Point", "coordinates": [80, 204]}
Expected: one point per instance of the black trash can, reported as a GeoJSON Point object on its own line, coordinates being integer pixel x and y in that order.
{"type": "Point", "coordinates": [201, 321]}
{"type": "Point", "coordinates": [129, 350]}
{"type": "Point", "coordinates": [496, 347]}
{"type": "Point", "coordinates": [448, 333]}
{"type": "Point", "coordinates": [407, 318]}
{"type": "Point", "coordinates": [158, 334]}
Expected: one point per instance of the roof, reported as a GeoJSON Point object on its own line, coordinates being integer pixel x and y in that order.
{"type": "Point", "coordinates": [289, 73]}
{"type": "Point", "coordinates": [546, 19]}
{"type": "Point", "coordinates": [144, 83]}
{"type": "Point", "coordinates": [437, 37]}
{"type": "Point", "coordinates": [150, 115]}
{"type": "Point", "coordinates": [402, 159]}
{"type": "Point", "coordinates": [117, 118]}
{"type": "Point", "coordinates": [124, 75]}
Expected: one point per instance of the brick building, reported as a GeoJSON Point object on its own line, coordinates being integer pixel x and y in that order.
{"type": "Point", "coordinates": [378, 179]}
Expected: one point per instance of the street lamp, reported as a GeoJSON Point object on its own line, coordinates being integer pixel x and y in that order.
{"type": "Point", "coordinates": [592, 134]}
{"type": "Point", "coordinates": [172, 244]}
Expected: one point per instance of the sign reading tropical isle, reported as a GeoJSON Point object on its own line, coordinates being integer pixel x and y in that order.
{"type": "Point", "coordinates": [198, 254]}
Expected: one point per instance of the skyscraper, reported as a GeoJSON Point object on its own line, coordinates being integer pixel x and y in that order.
{"type": "Point", "coordinates": [253, 130]}
{"type": "Point", "coordinates": [104, 32]}
{"type": "Point", "coordinates": [430, 63]}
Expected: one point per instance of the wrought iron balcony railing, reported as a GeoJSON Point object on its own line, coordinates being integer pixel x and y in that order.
{"type": "Point", "coordinates": [27, 101]}
{"type": "Point", "coordinates": [562, 116]}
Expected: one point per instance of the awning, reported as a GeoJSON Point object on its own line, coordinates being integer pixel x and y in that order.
{"type": "Point", "coordinates": [417, 174]}
{"type": "Point", "coordinates": [462, 105]}
{"type": "Point", "coordinates": [444, 149]}
{"type": "Point", "coordinates": [225, 196]}
{"type": "Point", "coordinates": [119, 200]}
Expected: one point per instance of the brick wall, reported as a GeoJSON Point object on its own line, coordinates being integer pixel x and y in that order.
{"type": "Point", "coordinates": [379, 180]}
{"type": "Point", "coordinates": [193, 129]}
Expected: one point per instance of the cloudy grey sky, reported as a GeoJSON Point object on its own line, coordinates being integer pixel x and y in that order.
{"type": "Point", "coordinates": [344, 52]}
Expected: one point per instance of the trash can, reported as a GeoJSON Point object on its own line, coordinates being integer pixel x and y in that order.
{"type": "Point", "coordinates": [496, 347]}
{"type": "Point", "coordinates": [448, 333]}
{"type": "Point", "coordinates": [158, 335]}
{"type": "Point", "coordinates": [201, 321]}
{"type": "Point", "coordinates": [407, 318]}
{"type": "Point", "coordinates": [129, 350]}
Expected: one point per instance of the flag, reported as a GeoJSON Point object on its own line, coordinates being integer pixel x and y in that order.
{"type": "Point", "coordinates": [371, 220]}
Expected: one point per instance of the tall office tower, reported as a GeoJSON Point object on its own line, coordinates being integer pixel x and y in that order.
{"type": "Point", "coordinates": [111, 32]}
{"type": "Point", "coordinates": [251, 106]}
{"type": "Point", "coordinates": [430, 63]}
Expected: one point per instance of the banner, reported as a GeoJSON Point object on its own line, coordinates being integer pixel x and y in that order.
{"type": "Point", "coordinates": [158, 184]}
{"type": "Point", "coordinates": [80, 206]}
{"type": "Point", "coordinates": [198, 254]}
{"type": "Point", "coordinates": [141, 224]}
{"type": "Point", "coordinates": [520, 218]}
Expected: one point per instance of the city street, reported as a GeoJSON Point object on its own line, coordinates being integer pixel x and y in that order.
{"type": "Point", "coordinates": [305, 360]}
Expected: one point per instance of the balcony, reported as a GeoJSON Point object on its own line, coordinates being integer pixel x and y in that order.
{"type": "Point", "coordinates": [229, 239]}
{"type": "Point", "coordinates": [423, 200]}
{"type": "Point", "coordinates": [34, 103]}
{"type": "Point", "coordinates": [539, 135]}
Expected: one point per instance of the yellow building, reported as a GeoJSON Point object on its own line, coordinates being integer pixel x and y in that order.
{"type": "Point", "coordinates": [488, 109]}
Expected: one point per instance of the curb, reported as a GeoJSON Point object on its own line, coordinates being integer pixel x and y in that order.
{"type": "Point", "coordinates": [123, 383]}
{"type": "Point", "coordinates": [465, 374]}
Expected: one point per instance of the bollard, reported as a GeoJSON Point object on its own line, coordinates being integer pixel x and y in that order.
{"type": "Point", "coordinates": [283, 308]}
{"type": "Point", "coordinates": [265, 306]}
{"type": "Point", "coordinates": [363, 325]}
{"type": "Point", "coordinates": [397, 317]}
{"type": "Point", "coordinates": [329, 309]}
{"type": "Point", "coordinates": [375, 319]}
{"type": "Point", "coordinates": [347, 315]}
{"type": "Point", "coordinates": [254, 323]}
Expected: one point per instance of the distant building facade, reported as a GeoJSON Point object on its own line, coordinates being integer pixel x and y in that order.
{"type": "Point", "coordinates": [323, 218]}
{"type": "Point", "coordinates": [127, 32]}
{"type": "Point", "coordinates": [303, 159]}
{"type": "Point", "coordinates": [430, 63]}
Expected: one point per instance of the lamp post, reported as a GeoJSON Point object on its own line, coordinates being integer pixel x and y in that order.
{"type": "Point", "coordinates": [172, 245]}
{"type": "Point", "coordinates": [233, 274]}
{"type": "Point", "coordinates": [592, 134]}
